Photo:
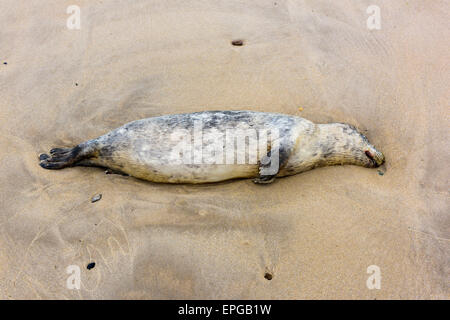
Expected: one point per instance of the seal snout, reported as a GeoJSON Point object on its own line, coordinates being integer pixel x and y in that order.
{"type": "Point", "coordinates": [375, 157]}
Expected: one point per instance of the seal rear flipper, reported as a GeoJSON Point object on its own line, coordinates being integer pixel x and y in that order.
{"type": "Point", "coordinates": [61, 158]}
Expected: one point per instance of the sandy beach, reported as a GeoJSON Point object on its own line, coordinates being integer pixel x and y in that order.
{"type": "Point", "coordinates": [314, 233]}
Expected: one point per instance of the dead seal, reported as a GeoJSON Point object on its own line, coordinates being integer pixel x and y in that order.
{"type": "Point", "coordinates": [215, 146]}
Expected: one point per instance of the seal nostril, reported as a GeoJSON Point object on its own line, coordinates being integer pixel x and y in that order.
{"type": "Point", "coordinates": [369, 155]}
{"type": "Point", "coordinates": [372, 159]}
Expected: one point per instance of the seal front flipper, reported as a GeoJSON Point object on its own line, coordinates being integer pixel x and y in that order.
{"type": "Point", "coordinates": [264, 179]}
{"type": "Point", "coordinates": [270, 164]}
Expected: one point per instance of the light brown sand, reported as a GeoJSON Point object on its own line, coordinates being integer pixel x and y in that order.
{"type": "Point", "coordinates": [316, 232]}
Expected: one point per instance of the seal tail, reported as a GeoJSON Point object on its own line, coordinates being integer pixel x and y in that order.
{"type": "Point", "coordinates": [63, 157]}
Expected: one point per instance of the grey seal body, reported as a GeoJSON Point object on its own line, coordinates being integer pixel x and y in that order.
{"type": "Point", "coordinates": [214, 146]}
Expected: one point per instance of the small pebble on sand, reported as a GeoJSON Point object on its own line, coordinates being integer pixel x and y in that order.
{"type": "Point", "coordinates": [96, 198]}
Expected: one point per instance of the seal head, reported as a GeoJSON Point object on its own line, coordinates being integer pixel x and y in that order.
{"type": "Point", "coordinates": [331, 144]}
{"type": "Point", "coordinates": [344, 144]}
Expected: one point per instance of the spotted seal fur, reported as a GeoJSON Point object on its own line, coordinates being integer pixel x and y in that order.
{"type": "Point", "coordinates": [145, 148]}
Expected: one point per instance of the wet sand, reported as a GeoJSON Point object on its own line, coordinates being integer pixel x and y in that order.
{"type": "Point", "coordinates": [315, 233]}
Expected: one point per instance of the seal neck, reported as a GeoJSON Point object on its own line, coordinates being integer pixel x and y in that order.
{"type": "Point", "coordinates": [333, 146]}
